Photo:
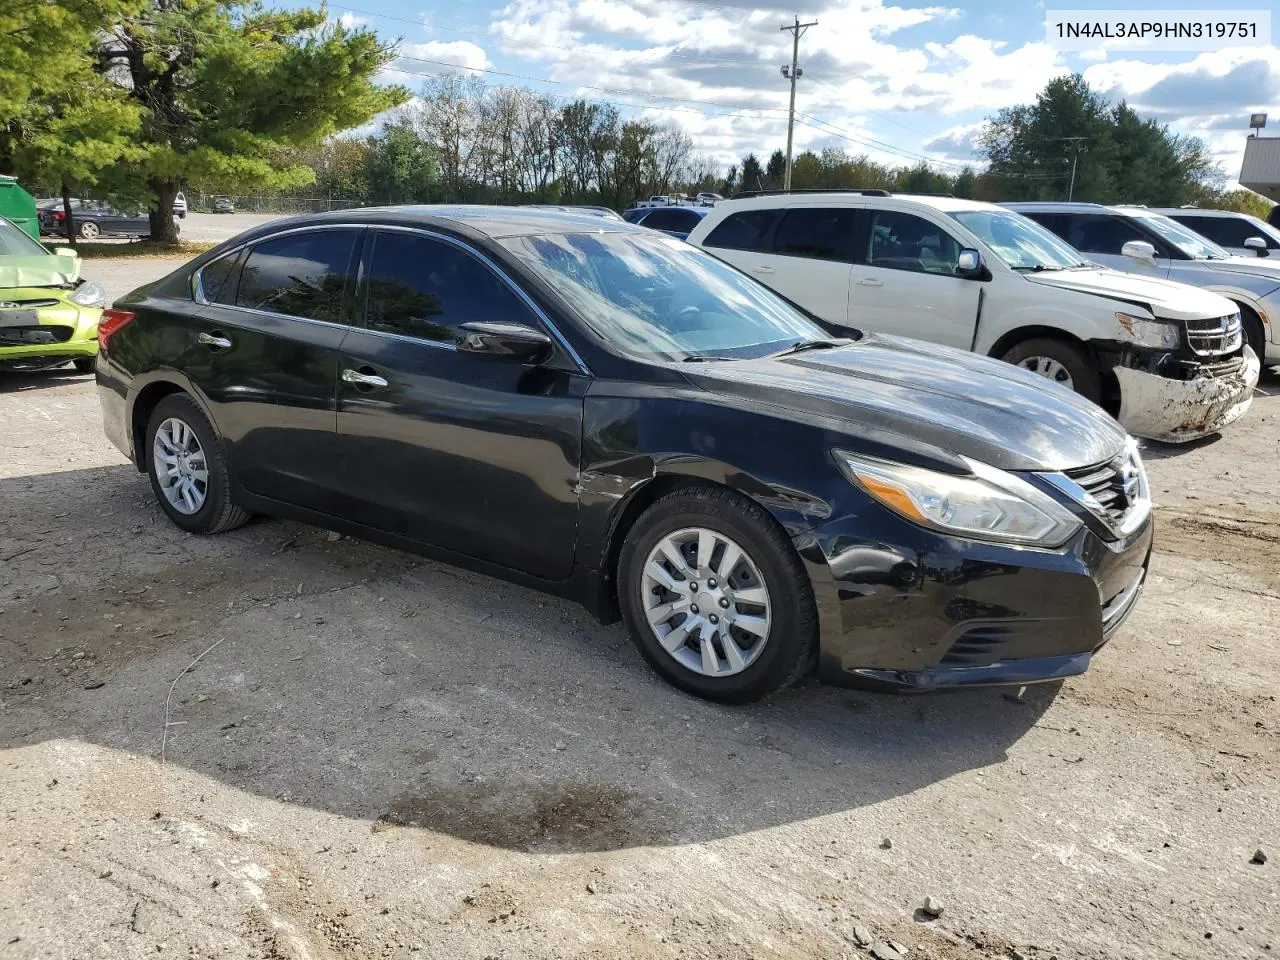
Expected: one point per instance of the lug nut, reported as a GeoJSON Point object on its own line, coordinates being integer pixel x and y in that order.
{"type": "Point", "coordinates": [714, 618]}
{"type": "Point", "coordinates": [711, 584]}
{"type": "Point", "coordinates": [693, 608]}
{"type": "Point", "coordinates": [724, 603]}
{"type": "Point", "coordinates": [693, 587]}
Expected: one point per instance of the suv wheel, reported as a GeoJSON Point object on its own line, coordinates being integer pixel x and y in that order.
{"type": "Point", "coordinates": [715, 597]}
{"type": "Point", "coordinates": [1062, 362]}
{"type": "Point", "coordinates": [188, 469]}
{"type": "Point", "coordinates": [1254, 334]}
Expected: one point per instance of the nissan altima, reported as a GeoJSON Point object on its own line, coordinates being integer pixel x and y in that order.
{"type": "Point", "coordinates": [613, 416]}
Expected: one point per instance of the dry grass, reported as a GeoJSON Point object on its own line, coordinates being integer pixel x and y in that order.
{"type": "Point", "coordinates": [139, 248]}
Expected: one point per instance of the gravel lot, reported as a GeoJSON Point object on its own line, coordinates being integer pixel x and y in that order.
{"type": "Point", "coordinates": [384, 757]}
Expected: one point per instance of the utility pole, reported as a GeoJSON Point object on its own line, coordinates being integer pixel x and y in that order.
{"type": "Point", "coordinates": [793, 73]}
{"type": "Point", "coordinates": [1077, 144]}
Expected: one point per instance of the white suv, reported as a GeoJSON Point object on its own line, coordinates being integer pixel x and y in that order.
{"type": "Point", "coordinates": [1166, 359]}
{"type": "Point", "coordinates": [1141, 241]}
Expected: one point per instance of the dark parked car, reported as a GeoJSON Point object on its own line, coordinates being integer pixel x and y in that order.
{"type": "Point", "coordinates": [613, 416]}
{"type": "Point", "coordinates": [223, 205]}
{"type": "Point", "coordinates": [674, 221]}
{"type": "Point", "coordinates": [94, 220]}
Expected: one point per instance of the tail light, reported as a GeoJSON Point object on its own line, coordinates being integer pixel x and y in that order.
{"type": "Point", "coordinates": [112, 322]}
{"type": "Point", "coordinates": [59, 215]}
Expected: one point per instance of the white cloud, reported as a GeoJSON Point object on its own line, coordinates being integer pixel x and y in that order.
{"type": "Point", "coordinates": [351, 21]}
{"type": "Point", "coordinates": [460, 53]}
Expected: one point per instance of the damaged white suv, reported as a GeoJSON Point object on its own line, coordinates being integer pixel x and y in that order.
{"type": "Point", "coordinates": [1168, 360]}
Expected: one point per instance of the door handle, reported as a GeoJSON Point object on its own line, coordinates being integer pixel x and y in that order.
{"type": "Point", "coordinates": [215, 340]}
{"type": "Point", "coordinates": [869, 282]}
{"type": "Point", "coordinates": [363, 379]}
{"type": "Point", "coordinates": [762, 270]}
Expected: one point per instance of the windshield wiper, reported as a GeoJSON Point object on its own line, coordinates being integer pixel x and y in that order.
{"type": "Point", "coordinates": [800, 345]}
{"type": "Point", "coordinates": [1038, 268]}
{"type": "Point", "coordinates": [706, 359]}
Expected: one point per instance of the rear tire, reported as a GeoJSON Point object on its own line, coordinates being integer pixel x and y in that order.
{"type": "Point", "coordinates": [83, 364]}
{"type": "Point", "coordinates": [1059, 361]}
{"type": "Point", "coordinates": [760, 619]}
{"type": "Point", "coordinates": [89, 230]}
{"type": "Point", "coordinates": [175, 456]}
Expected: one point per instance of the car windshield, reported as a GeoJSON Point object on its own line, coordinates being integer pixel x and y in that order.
{"type": "Point", "coordinates": [1184, 238]}
{"type": "Point", "coordinates": [658, 298]}
{"type": "Point", "coordinates": [1019, 241]}
{"type": "Point", "coordinates": [15, 243]}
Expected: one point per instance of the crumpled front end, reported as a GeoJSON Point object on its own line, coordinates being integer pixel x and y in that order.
{"type": "Point", "coordinates": [1158, 404]}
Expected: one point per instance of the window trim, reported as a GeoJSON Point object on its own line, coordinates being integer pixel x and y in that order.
{"type": "Point", "coordinates": [502, 275]}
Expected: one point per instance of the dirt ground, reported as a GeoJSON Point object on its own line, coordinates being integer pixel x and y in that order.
{"type": "Point", "coordinates": [378, 756]}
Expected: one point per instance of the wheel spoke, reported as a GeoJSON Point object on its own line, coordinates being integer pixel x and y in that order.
{"type": "Point", "coordinates": [729, 560]}
{"type": "Point", "coordinates": [659, 573]}
{"type": "Point", "coordinates": [755, 595]}
{"type": "Point", "coordinates": [665, 611]}
{"type": "Point", "coordinates": [710, 662]}
{"type": "Point", "coordinates": [732, 652]}
{"type": "Point", "coordinates": [757, 625]}
{"type": "Point", "coordinates": [200, 476]}
{"type": "Point", "coordinates": [675, 557]}
{"type": "Point", "coordinates": [706, 547]}
{"type": "Point", "coordinates": [188, 495]}
{"type": "Point", "coordinates": [674, 638]}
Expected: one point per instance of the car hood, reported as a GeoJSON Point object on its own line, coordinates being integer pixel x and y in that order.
{"type": "Point", "coordinates": [908, 398]}
{"type": "Point", "coordinates": [42, 270]}
{"type": "Point", "coordinates": [1162, 298]}
{"type": "Point", "coordinates": [1261, 268]}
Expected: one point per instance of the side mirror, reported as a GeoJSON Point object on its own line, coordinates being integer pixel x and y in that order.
{"type": "Point", "coordinates": [969, 265]}
{"type": "Point", "coordinates": [1141, 251]}
{"type": "Point", "coordinates": [1257, 245]}
{"type": "Point", "coordinates": [504, 341]}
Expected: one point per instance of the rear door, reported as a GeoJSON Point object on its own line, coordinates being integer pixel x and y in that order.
{"type": "Point", "coordinates": [905, 282]}
{"type": "Point", "coordinates": [804, 253]}
{"type": "Point", "coordinates": [266, 357]}
{"type": "Point", "coordinates": [464, 451]}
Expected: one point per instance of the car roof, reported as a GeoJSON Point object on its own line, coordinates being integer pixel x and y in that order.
{"type": "Point", "coordinates": [1064, 206]}
{"type": "Point", "coordinates": [493, 222]}
{"type": "Point", "coordinates": [818, 198]}
{"type": "Point", "coordinates": [1200, 212]}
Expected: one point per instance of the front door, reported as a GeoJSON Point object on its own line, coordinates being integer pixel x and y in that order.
{"type": "Point", "coordinates": [906, 283]}
{"type": "Point", "coordinates": [473, 453]}
{"type": "Point", "coordinates": [266, 358]}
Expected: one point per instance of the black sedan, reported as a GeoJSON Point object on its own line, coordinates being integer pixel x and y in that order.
{"type": "Point", "coordinates": [610, 415]}
{"type": "Point", "coordinates": [94, 220]}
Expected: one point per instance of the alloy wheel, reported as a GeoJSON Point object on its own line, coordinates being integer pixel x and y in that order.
{"type": "Point", "coordinates": [89, 231]}
{"type": "Point", "coordinates": [179, 464]}
{"type": "Point", "coordinates": [706, 602]}
{"type": "Point", "coordinates": [1049, 368]}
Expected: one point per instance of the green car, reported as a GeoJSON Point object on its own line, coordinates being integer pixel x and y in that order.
{"type": "Point", "coordinates": [48, 314]}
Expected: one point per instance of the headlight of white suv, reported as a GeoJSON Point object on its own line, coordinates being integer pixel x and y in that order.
{"type": "Point", "coordinates": [89, 294]}
{"type": "Point", "coordinates": [989, 504]}
{"type": "Point", "coordinates": [1151, 333]}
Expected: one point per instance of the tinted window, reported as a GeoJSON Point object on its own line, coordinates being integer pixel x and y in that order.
{"type": "Point", "coordinates": [1225, 231]}
{"type": "Point", "coordinates": [748, 230]}
{"type": "Point", "coordinates": [680, 220]}
{"type": "Point", "coordinates": [302, 275]}
{"type": "Point", "coordinates": [818, 233]}
{"type": "Point", "coordinates": [217, 281]}
{"type": "Point", "coordinates": [424, 288]}
{"type": "Point", "coordinates": [1094, 233]}
{"type": "Point", "coordinates": [903, 241]}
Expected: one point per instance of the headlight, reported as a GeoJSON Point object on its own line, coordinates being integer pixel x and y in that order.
{"type": "Point", "coordinates": [89, 294]}
{"type": "Point", "coordinates": [1150, 333]}
{"type": "Point", "coordinates": [990, 504]}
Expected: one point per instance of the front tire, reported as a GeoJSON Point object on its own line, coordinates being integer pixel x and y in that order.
{"type": "Point", "coordinates": [89, 230]}
{"type": "Point", "coordinates": [1254, 334]}
{"type": "Point", "coordinates": [83, 364]}
{"type": "Point", "coordinates": [1062, 362]}
{"type": "Point", "coordinates": [715, 597]}
{"type": "Point", "coordinates": [188, 469]}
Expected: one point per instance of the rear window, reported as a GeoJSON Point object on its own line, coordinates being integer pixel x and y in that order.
{"type": "Point", "coordinates": [682, 220]}
{"type": "Point", "coordinates": [301, 275]}
{"type": "Point", "coordinates": [746, 230]}
{"type": "Point", "coordinates": [819, 233]}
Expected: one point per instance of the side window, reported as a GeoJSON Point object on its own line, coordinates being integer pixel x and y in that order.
{"type": "Point", "coordinates": [819, 233]}
{"type": "Point", "coordinates": [424, 288]}
{"type": "Point", "coordinates": [301, 275]}
{"type": "Point", "coordinates": [748, 230]}
{"type": "Point", "coordinates": [903, 241]}
{"type": "Point", "coordinates": [218, 279]}
{"type": "Point", "coordinates": [1094, 233]}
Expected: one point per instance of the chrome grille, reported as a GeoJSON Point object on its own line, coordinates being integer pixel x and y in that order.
{"type": "Point", "coordinates": [1215, 337]}
{"type": "Point", "coordinates": [1113, 489]}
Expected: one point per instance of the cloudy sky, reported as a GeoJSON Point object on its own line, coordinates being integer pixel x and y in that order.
{"type": "Point", "coordinates": [895, 80]}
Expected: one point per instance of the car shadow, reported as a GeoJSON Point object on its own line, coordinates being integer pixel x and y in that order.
{"type": "Point", "coordinates": [14, 381]}
{"type": "Point", "coordinates": [369, 683]}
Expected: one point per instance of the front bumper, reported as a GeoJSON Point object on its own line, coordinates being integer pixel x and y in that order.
{"type": "Point", "coordinates": [69, 331]}
{"type": "Point", "coordinates": [948, 612]}
{"type": "Point", "coordinates": [1174, 411]}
